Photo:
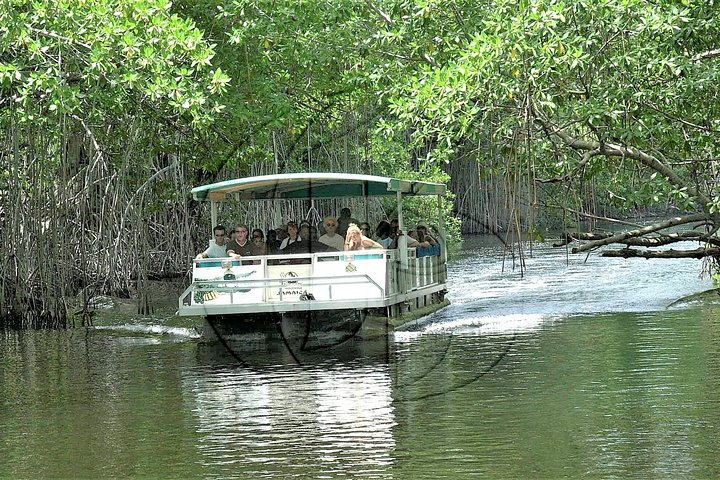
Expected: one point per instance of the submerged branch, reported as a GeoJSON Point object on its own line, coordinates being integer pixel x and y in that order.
{"type": "Point", "coordinates": [569, 237]}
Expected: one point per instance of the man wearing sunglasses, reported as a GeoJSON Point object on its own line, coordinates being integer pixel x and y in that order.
{"type": "Point", "coordinates": [240, 247]}
{"type": "Point", "coordinates": [331, 237]}
{"type": "Point", "coordinates": [217, 248]}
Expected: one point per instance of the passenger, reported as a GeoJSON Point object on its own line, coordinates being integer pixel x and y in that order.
{"type": "Point", "coordinates": [241, 246]}
{"type": "Point", "coordinates": [415, 241]}
{"type": "Point", "coordinates": [428, 247]}
{"type": "Point", "coordinates": [217, 248]}
{"type": "Point", "coordinates": [331, 238]}
{"type": "Point", "coordinates": [344, 220]}
{"type": "Point", "coordinates": [281, 234]}
{"type": "Point", "coordinates": [384, 234]}
{"type": "Point", "coordinates": [355, 240]}
{"type": "Point", "coordinates": [313, 233]}
{"type": "Point", "coordinates": [316, 245]}
{"type": "Point", "coordinates": [308, 244]}
{"type": "Point", "coordinates": [272, 245]}
{"type": "Point", "coordinates": [411, 240]}
{"type": "Point", "coordinates": [365, 229]}
{"type": "Point", "coordinates": [258, 242]}
{"type": "Point", "coordinates": [423, 235]}
{"type": "Point", "coordinates": [304, 230]}
{"type": "Point", "coordinates": [293, 235]}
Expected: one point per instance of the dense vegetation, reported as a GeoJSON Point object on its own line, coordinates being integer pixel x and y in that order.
{"type": "Point", "coordinates": [540, 113]}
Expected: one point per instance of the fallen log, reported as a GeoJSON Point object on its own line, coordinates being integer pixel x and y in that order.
{"type": "Point", "coordinates": [698, 253]}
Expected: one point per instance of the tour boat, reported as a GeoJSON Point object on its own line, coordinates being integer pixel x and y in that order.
{"type": "Point", "coordinates": [306, 295]}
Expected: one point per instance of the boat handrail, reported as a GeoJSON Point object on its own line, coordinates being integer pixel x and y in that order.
{"type": "Point", "coordinates": [281, 282]}
{"type": "Point", "coordinates": [233, 286]}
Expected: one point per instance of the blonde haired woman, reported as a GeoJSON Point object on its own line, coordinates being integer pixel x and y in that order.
{"type": "Point", "coordinates": [355, 240]}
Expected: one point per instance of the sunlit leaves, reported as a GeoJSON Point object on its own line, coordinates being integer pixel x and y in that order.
{"type": "Point", "coordinates": [108, 50]}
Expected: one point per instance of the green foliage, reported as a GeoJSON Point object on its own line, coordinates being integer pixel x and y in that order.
{"type": "Point", "coordinates": [97, 58]}
{"type": "Point", "coordinates": [628, 72]}
{"type": "Point", "coordinates": [289, 60]}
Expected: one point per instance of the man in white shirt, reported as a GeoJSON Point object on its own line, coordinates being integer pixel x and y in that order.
{"type": "Point", "coordinates": [217, 246]}
{"type": "Point", "coordinates": [330, 237]}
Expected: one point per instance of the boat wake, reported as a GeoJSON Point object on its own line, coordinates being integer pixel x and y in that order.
{"type": "Point", "coordinates": [177, 333]}
{"type": "Point", "coordinates": [493, 325]}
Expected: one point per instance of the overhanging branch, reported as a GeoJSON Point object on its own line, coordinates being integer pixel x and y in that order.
{"type": "Point", "coordinates": [623, 236]}
{"type": "Point", "coordinates": [614, 150]}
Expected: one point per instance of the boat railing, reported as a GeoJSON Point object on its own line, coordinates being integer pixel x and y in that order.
{"type": "Point", "coordinates": [425, 270]}
{"type": "Point", "coordinates": [299, 288]}
{"type": "Point", "coordinates": [372, 275]}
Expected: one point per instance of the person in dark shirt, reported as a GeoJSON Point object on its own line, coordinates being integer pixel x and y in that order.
{"type": "Point", "coordinates": [258, 242]}
{"type": "Point", "coordinates": [344, 221]}
{"type": "Point", "coordinates": [384, 234]}
{"type": "Point", "coordinates": [241, 246]}
{"type": "Point", "coordinates": [272, 244]}
{"type": "Point", "coordinates": [293, 235]}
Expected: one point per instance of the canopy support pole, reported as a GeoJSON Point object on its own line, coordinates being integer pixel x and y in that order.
{"type": "Point", "coordinates": [441, 230]}
{"type": "Point", "coordinates": [402, 247]}
{"type": "Point", "coordinates": [213, 214]}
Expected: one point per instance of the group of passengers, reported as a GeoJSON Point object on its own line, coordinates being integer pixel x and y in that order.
{"type": "Point", "coordinates": [344, 233]}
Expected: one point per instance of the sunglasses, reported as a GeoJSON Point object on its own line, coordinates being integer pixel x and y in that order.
{"type": "Point", "coordinates": [257, 237]}
{"type": "Point", "coordinates": [331, 224]}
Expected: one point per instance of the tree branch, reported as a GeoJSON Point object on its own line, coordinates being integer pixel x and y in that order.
{"type": "Point", "coordinates": [705, 55]}
{"type": "Point", "coordinates": [614, 150]}
{"type": "Point", "coordinates": [586, 156]}
{"type": "Point", "coordinates": [650, 242]}
{"type": "Point", "coordinates": [382, 14]}
{"type": "Point", "coordinates": [671, 238]}
{"type": "Point", "coordinates": [593, 217]}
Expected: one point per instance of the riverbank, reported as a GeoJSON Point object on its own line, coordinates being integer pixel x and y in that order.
{"type": "Point", "coordinates": [107, 311]}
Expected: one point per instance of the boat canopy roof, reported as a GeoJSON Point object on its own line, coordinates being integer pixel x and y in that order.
{"type": "Point", "coordinates": [292, 186]}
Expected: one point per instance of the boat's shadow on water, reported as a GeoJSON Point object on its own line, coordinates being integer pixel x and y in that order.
{"type": "Point", "coordinates": [258, 350]}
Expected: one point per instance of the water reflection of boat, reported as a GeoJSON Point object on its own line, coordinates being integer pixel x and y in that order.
{"type": "Point", "coordinates": [310, 296]}
{"type": "Point", "coordinates": [284, 421]}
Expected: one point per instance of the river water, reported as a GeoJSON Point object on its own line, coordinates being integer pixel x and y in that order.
{"type": "Point", "coordinates": [572, 367]}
